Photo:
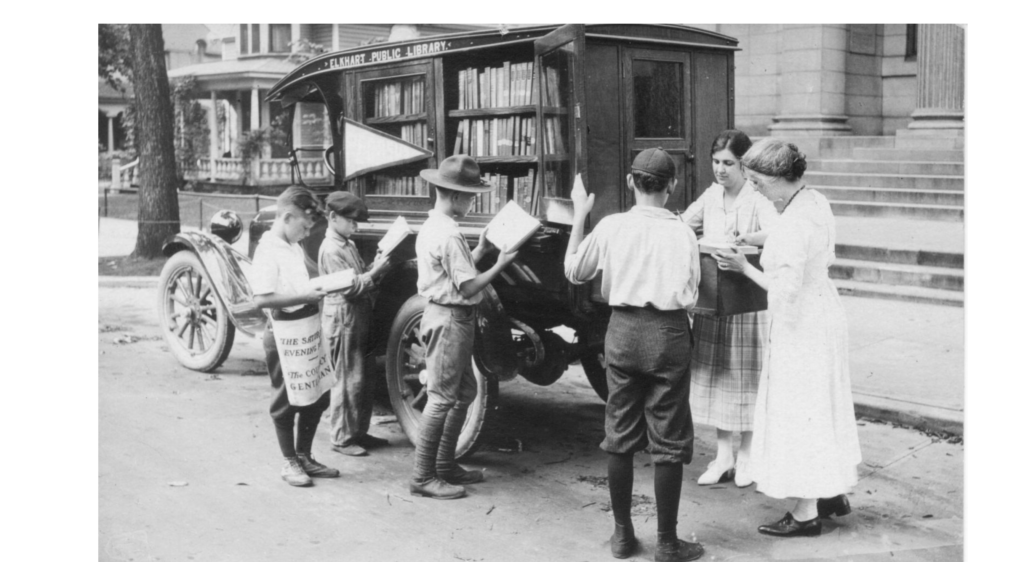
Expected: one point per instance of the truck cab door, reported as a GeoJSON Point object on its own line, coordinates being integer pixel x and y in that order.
{"type": "Point", "coordinates": [561, 110]}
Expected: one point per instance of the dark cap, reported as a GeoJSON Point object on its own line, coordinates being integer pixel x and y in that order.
{"type": "Point", "coordinates": [348, 205]}
{"type": "Point", "coordinates": [656, 162]}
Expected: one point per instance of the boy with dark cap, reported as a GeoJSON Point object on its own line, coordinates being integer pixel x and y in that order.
{"type": "Point", "coordinates": [346, 326]}
{"type": "Point", "coordinates": [448, 279]}
{"type": "Point", "coordinates": [279, 283]}
{"type": "Point", "coordinates": [650, 270]}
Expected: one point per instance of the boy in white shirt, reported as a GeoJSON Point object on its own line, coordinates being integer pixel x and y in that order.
{"type": "Point", "coordinates": [279, 280]}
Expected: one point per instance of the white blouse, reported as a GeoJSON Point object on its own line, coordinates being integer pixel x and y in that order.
{"type": "Point", "coordinates": [750, 212]}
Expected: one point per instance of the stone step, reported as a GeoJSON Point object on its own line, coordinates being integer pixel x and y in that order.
{"type": "Point", "coordinates": [917, 212]}
{"type": "Point", "coordinates": [900, 293]}
{"type": "Point", "coordinates": [929, 143]}
{"type": "Point", "coordinates": [885, 154]}
{"type": "Point", "coordinates": [900, 256]}
{"type": "Point", "coordinates": [851, 142]}
{"type": "Point", "coordinates": [955, 183]}
{"type": "Point", "coordinates": [888, 195]}
{"type": "Point", "coordinates": [944, 278]}
{"type": "Point", "coordinates": [886, 167]}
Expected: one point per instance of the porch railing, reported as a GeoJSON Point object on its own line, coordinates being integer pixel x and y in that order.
{"type": "Point", "coordinates": [123, 177]}
{"type": "Point", "coordinates": [262, 171]}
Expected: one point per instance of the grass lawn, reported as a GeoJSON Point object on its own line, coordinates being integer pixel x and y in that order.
{"type": "Point", "coordinates": [126, 206]}
{"type": "Point", "coordinates": [127, 266]}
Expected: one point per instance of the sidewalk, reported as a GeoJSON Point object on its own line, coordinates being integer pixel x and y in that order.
{"type": "Point", "coordinates": [906, 359]}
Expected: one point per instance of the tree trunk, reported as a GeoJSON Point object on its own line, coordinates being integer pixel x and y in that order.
{"type": "Point", "coordinates": [154, 126]}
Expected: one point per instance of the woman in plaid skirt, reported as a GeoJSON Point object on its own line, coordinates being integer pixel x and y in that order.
{"type": "Point", "coordinates": [726, 363]}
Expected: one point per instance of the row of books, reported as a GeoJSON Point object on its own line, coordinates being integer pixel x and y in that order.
{"type": "Point", "coordinates": [398, 98]}
{"type": "Point", "coordinates": [507, 136]}
{"type": "Point", "coordinates": [415, 133]}
{"type": "Point", "coordinates": [410, 186]}
{"type": "Point", "coordinates": [500, 86]}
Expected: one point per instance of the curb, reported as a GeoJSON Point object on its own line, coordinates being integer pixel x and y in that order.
{"type": "Point", "coordinates": [930, 419]}
{"type": "Point", "coordinates": [147, 282]}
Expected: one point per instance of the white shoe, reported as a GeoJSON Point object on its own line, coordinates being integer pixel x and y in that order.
{"type": "Point", "coordinates": [743, 475]}
{"type": "Point", "coordinates": [716, 474]}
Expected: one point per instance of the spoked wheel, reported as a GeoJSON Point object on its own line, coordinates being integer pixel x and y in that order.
{"type": "Point", "coordinates": [406, 359]}
{"type": "Point", "coordinates": [193, 319]}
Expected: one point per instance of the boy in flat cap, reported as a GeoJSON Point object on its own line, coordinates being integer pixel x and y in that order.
{"type": "Point", "coordinates": [346, 326]}
{"type": "Point", "coordinates": [650, 270]}
{"type": "Point", "coordinates": [450, 282]}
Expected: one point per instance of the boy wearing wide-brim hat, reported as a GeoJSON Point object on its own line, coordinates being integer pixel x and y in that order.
{"type": "Point", "coordinates": [346, 325]}
{"type": "Point", "coordinates": [450, 282]}
{"type": "Point", "coordinates": [650, 269]}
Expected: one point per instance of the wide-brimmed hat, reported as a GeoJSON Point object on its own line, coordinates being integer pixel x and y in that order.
{"type": "Point", "coordinates": [458, 172]}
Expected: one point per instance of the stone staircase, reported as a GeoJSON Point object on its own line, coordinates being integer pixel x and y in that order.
{"type": "Point", "coordinates": [899, 206]}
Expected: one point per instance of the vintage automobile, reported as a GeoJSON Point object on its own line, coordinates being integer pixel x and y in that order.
{"type": "Point", "coordinates": [534, 106]}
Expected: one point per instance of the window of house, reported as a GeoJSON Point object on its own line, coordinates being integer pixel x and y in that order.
{"type": "Point", "coordinates": [243, 36]}
{"type": "Point", "coordinates": [255, 38]}
{"type": "Point", "coordinates": [280, 36]}
{"type": "Point", "coordinates": [911, 53]}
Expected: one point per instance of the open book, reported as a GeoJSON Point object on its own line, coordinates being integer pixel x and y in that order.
{"type": "Point", "coordinates": [511, 227]}
{"type": "Point", "coordinates": [558, 210]}
{"type": "Point", "coordinates": [726, 247]}
{"type": "Point", "coordinates": [399, 241]}
{"type": "Point", "coordinates": [333, 282]}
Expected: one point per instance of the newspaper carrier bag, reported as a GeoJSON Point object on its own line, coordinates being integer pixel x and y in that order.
{"type": "Point", "coordinates": [304, 365]}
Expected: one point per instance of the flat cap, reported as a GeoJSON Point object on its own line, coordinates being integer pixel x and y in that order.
{"type": "Point", "coordinates": [348, 205]}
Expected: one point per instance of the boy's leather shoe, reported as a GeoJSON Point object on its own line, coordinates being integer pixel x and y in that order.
{"type": "Point", "coordinates": [293, 473]}
{"type": "Point", "coordinates": [790, 527]}
{"type": "Point", "coordinates": [839, 505]}
{"type": "Point", "coordinates": [623, 541]}
{"type": "Point", "coordinates": [677, 550]}
{"type": "Point", "coordinates": [460, 475]}
{"type": "Point", "coordinates": [370, 442]}
{"type": "Point", "coordinates": [352, 450]}
{"type": "Point", "coordinates": [437, 489]}
{"type": "Point", "coordinates": [315, 469]}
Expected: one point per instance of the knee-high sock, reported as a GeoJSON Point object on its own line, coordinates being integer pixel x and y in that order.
{"type": "Point", "coordinates": [620, 486]}
{"type": "Point", "coordinates": [431, 427]}
{"type": "Point", "coordinates": [450, 438]}
{"type": "Point", "coordinates": [284, 427]}
{"type": "Point", "coordinates": [668, 482]}
{"type": "Point", "coordinates": [308, 422]}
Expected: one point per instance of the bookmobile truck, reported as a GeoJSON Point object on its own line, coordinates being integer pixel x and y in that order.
{"type": "Point", "coordinates": [534, 106]}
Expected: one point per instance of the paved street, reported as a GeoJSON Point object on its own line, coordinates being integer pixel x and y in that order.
{"type": "Point", "coordinates": [188, 470]}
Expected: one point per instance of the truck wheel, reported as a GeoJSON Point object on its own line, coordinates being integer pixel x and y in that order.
{"type": "Point", "coordinates": [594, 368]}
{"type": "Point", "coordinates": [406, 358]}
{"type": "Point", "coordinates": [192, 318]}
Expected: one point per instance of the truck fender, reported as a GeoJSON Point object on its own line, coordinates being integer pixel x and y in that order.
{"type": "Point", "coordinates": [493, 348]}
{"type": "Point", "coordinates": [226, 269]}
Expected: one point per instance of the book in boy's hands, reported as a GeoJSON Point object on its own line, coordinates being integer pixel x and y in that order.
{"type": "Point", "coordinates": [709, 247]}
{"type": "Point", "coordinates": [333, 282]}
{"type": "Point", "coordinates": [399, 242]}
{"type": "Point", "coordinates": [558, 210]}
{"type": "Point", "coordinates": [511, 227]}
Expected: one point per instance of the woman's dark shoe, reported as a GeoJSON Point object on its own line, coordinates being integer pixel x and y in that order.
{"type": "Point", "coordinates": [839, 505]}
{"type": "Point", "coordinates": [623, 541]}
{"type": "Point", "coordinates": [677, 550]}
{"type": "Point", "coordinates": [790, 527]}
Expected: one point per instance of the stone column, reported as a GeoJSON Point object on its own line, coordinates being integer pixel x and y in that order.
{"type": "Point", "coordinates": [940, 80]}
{"type": "Point", "coordinates": [812, 81]}
{"type": "Point", "coordinates": [254, 109]}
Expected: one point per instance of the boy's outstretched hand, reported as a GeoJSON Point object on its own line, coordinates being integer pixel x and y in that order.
{"type": "Point", "coordinates": [582, 202]}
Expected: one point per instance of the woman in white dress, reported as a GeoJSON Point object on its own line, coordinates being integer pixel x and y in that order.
{"type": "Point", "coordinates": [805, 443]}
{"type": "Point", "coordinates": [726, 362]}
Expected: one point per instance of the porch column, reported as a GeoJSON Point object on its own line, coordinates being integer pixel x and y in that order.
{"type": "Point", "coordinates": [254, 109]}
{"type": "Point", "coordinates": [812, 81]}
{"type": "Point", "coordinates": [211, 120]}
{"type": "Point", "coordinates": [940, 80]}
{"type": "Point", "coordinates": [110, 132]}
